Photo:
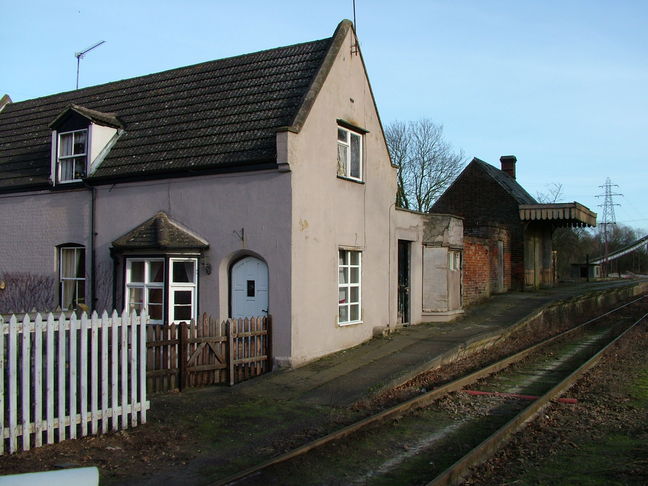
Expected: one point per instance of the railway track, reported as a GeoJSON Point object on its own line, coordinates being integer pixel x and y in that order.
{"type": "Point", "coordinates": [439, 435]}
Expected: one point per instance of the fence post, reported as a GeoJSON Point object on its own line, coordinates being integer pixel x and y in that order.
{"type": "Point", "coordinates": [269, 341]}
{"type": "Point", "coordinates": [182, 354]}
{"type": "Point", "coordinates": [230, 351]}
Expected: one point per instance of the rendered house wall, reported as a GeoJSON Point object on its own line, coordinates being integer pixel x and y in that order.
{"type": "Point", "coordinates": [218, 208]}
{"type": "Point", "coordinates": [34, 223]}
{"type": "Point", "coordinates": [331, 213]}
{"type": "Point", "coordinates": [295, 218]}
{"type": "Point", "coordinates": [435, 289]}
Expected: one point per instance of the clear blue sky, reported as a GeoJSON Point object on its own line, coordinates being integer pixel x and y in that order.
{"type": "Point", "coordinates": [560, 84]}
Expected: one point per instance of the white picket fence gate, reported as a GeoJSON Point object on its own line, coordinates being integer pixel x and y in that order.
{"type": "Point", "coordinates": [68, 377]}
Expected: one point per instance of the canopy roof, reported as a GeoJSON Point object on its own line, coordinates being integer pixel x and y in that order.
{"type": "Point", "coordinates": [561, 214]}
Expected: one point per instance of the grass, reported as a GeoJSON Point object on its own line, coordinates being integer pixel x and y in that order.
{"type": "Point", "coordinates": [610, 461]}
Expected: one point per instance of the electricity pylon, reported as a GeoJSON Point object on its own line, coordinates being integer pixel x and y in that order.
{"type": "Point", "coordinates": [608, 218]}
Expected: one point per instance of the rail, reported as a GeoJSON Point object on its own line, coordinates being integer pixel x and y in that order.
{"type": "Point", "coordinates": [411, 404]}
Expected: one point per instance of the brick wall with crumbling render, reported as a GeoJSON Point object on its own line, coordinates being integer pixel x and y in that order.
{"type": "Point", "coordinates": [476, 256]}
{"type": "Point", "coordinates": [481, 275]}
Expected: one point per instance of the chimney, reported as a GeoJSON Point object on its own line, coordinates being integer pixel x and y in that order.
{"type": "Point", "coordinates": [508, 164]}
{"type": "Point", "coordinates": [4, 101]}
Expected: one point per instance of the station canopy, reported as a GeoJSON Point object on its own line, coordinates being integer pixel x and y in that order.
{"type": "Point", "coordinates": [571, 214]}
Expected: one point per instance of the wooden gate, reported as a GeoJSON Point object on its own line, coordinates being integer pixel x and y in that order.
{"type": "Point", "coordinates": [207, 352]}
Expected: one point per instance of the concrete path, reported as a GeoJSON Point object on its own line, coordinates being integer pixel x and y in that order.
{"type": "Point", "coordinates": [345, 377]}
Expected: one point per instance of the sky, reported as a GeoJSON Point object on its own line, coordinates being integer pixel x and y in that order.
{"type": "Point", "coordinates": [562, 85]}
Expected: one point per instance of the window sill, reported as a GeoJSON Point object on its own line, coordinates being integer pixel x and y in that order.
{"type": "Point", "coordinates": [62, 186]}
{"type": "Point", "coordinates": [352, 323]}
{"type": "Point", "coordinates": [351, 179]}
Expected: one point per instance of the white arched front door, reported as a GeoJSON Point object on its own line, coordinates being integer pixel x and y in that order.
{"type": "Point", "coordinates": [249, 288]}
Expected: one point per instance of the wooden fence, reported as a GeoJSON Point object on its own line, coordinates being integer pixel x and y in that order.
{"type": "Point", "coordinates": [207, 352]}
{"type": "Point", "coordinates": [66, 377]}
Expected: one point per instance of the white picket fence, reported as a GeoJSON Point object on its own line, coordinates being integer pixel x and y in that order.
{"type": "Point", "coordinates": [68, 377]}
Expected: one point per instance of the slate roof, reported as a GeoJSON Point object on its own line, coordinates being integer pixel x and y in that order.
{"type": "Point", "coordinates": [160, 232]}
{"type": "Point", "coordinates": [108, 119]}
{"type": "Point", "coordinates": [218, 115]}
{"type": "Point", "coordinates": [507, 182]}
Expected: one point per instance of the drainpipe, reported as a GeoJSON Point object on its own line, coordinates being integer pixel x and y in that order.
{"type": "Point", "coordinates": [93, 256]}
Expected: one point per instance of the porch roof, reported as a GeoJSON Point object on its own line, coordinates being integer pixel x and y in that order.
{"type": "Point", "coordinates": [560, 214]}
{"type": "Point", "coordinates": [160, 232]}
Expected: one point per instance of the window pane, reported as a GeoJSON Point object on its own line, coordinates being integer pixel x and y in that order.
{"type": "Point", "coordinates": [65, 145]}
{"type": "Point", "coordinates": [67, 294]}
{"type": "Point", "coordinates": [355, 156]}
{"type": "Point", "coordinates": [80, 142]}
{"type": "Point", "coordinates": [156, 271]}
{"type": "Point", "coordinates": [80, 292]}
{"type": "Point", "coordinates": [79, 167]}
{"type": "Point", "coordinates": [155, 296]}
{"type": "Point", "coordinates": [355, 275]}
{"type": "Point", "coordinates": [135, 297]}
{"type": "Point", "coordinates": [355, 257]}
{"type": "Point", "coordinates": [355, 295]}
{"type": "Point", "coordinates": [79, 254]}
{"type": "Point", "coordinates": [67, 169]}
{"type": "Point", "coordinates": [342, 160]}
{"type": "Point", "coordinates": [344, 275]}
{"type": "Point", "coordinates": [68, 264]}
{"type": "Point", "coordinates": [342, 135]}
{"type": "Point", "coordinates": [135, 306]}
{"type": "Point", "coordinates": [342, 254]}
{"type": "Point", "coordinates": [182, 313]}
{"type": "Point", "coordinates": [343, 295]}
{"type": "Point", "coordinates": [343, 314]}
{"type": "Point", "coordinates": [155, 312]}
{"type": "Point", "coordinates": [136, 271]}
{"type": "Point", "coordinates": [183, 272]}
{"type": "Point", "coordinates": [182, 297]}
{"type": "Point", "coordinates": [355, 313]}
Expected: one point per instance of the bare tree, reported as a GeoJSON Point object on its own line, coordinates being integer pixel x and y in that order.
{"type": "Point", "coordinates": [553, 194]}
{"type": "Point", "coordinates": [23, 292]}
{"type": "Point", "coordinates": [427, 163]}
{"type": "Point", "coordinates": [103, 276]}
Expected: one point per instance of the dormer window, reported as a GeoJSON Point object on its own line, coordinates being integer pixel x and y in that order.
{"type": "Point", "coordinates": [81, 140]}
{"type": "Point", "coordinates": [72, 155]}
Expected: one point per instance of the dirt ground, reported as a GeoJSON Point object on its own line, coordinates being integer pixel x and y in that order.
{"type": "Point", "coordinates": [201, 435]}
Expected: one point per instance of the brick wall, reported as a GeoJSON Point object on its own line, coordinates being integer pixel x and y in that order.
{"type": "Point", "coordinates": [482, 274]}
{"type": "Point", "coordinates": [476, 284]}
{"type": "Point", "coordinates": [479, 199]}
{"type": "Point", "coordinates": [485, 205]}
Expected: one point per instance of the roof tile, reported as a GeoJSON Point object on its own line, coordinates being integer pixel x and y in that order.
{"type": "Point", "coordinates": [211, 115]}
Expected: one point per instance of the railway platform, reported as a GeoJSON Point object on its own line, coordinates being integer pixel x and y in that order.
{"type": "Point", "coordinates": [351, 375]}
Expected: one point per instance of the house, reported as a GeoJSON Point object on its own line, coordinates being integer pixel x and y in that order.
{"type": "Point", "coordinates": [507, 233]}
{"type": "Point", "coordinates": [244, 186]}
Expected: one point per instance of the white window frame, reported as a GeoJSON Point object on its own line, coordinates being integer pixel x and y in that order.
{"type": "Point", "coordinates": [79, 280]}
{"type": "Point", "coordinates": [182, 286]}
{"type": "Point", "coordinates": [454, 260]}
{"type": "Point", "coordinates": [60, 159]}
{"type": "Point", "coordinates": [347, 285]}
{"type": "Point", "coordinates": [145, 286]}
{"type": "Point", "coordinates": [345, 142]}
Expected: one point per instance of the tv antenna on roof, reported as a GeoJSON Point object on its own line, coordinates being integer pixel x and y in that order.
{"type": "Point", "coordinates": [356, 45]}
{"type": "Point", "coordinates": [79, 55]}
